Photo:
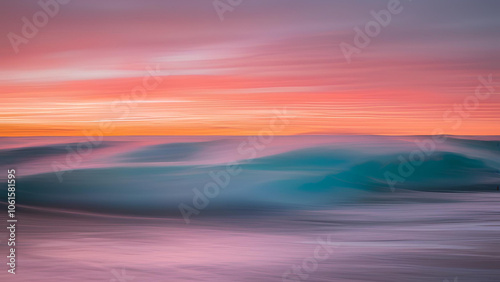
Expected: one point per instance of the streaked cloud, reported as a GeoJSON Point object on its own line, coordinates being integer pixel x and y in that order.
{"type": "Point", "coordinates": [227, 77]}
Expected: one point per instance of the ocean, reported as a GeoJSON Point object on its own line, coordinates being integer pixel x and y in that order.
{"type": "Point", "coordinates": [261, 208]}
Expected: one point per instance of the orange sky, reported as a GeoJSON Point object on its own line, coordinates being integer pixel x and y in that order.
{"type": "Point", "coordinates": [228, 78]}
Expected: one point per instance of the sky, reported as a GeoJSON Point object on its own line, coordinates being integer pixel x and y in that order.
{"type": "Point", "coordinates": [163, 67]}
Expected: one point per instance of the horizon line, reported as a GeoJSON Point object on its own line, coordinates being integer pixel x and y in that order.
{"type": "Point", "coordinates": [243, 135]}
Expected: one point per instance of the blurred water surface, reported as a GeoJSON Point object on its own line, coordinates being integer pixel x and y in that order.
{"type": "Point", "coordinates": [115, 216]}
